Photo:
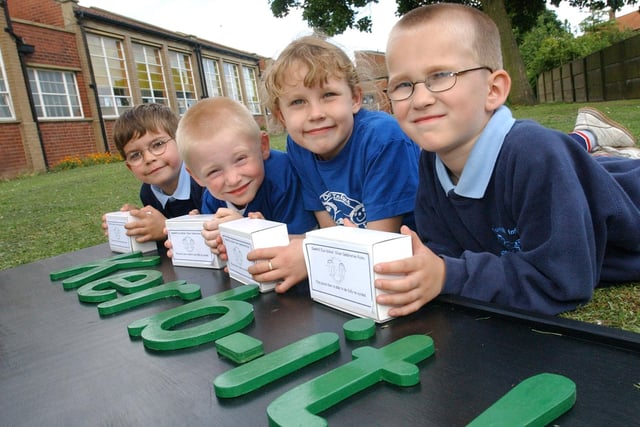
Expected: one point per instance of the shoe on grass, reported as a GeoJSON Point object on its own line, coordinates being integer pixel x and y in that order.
{"type": "Point", "coordinates": [608, 133]}
{"type": "Point", "coordinates": [628, 152]}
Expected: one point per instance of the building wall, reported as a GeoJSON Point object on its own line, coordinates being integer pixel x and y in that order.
{"type": "Point", "coordinates": [20, 150]}
{"type": "Point", "coordinates": [56, 48]}
{"type": "Point", "coordinates": [53, 34]}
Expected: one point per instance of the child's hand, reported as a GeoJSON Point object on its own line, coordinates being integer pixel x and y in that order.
{"type": "Point", "coordinates": [194, 212]}
{"type": "Point", "coordinates": [125, 208]}
{"type": "Point", "coordinates": [168, 245]}
{"type": "Point", "coordinates": [105, 227]}
{"type": "Point", "coordinates": [284, 264]}
{"type": "Point", "coordinates": [255, 215]}
{"type": "Point", "coordinates": [128, 207]}
{"type": "Point", "coordinates": [150, 224]}
{"type": "Point", "coordinates": [210, 230]}
{"type": "Point", "coordinates": [423, 280]}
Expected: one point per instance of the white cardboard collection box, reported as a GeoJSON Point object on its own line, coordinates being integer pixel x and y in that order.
{"type": "Point", "coordinates": [118, 239]}
{"type": "Point", "coordinates": [188, 245]}
{"type": "Point", "coordinates": [242, 236]}
{"type": "Point", "coordinates": [340, 264]}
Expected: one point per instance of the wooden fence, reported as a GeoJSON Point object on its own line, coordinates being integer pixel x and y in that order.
{"type": "Point", "coordinates": [610, 74]}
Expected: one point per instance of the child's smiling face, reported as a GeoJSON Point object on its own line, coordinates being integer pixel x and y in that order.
{"type": "Point", "coordinates": [231, 165]}
{"type": "Point", "coordinates": [318, 118]}
{"type": "Point", "coordinates": [161, 170]}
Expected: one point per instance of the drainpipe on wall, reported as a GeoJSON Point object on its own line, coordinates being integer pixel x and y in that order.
{"type": "Point", "coordinates": [197, 48]}
{"type": "Point", "coordinates": [25, 49]}
{"type": "Point", "coordinates": [92, 83]}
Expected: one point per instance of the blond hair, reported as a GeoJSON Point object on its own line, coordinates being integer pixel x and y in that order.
{"type": "Point", "coordinates": [143, 118]}
{"type": "Point", "coordinates": [207, 117]}
{"type": "Point", "coordinates": [484, 37]}
{"type": "Point", "coordinates": [323, 61]}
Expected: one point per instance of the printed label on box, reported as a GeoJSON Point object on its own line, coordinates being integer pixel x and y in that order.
{"type": "Point", "coordinates": [188, 248]}
{"type": "Point", "coordinates": [342, 273]}
{"type": "Point", "coordinates": [237, 250]}
{"type": "Point", "coordinates": [117, 235]}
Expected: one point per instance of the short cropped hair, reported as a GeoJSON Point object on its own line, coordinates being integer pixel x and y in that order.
{"type": "Point", "coordinates": [208, 116]}
{"type": "Point", "coordinates": [323, 59]}
{"type": "Point", "coordinates": [143, 118]}
{"type": "Point", "coordinates": [485, 38]}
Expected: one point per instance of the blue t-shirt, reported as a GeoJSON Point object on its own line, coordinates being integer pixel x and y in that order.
{"type": "Point", "coordinates": [374, 177]}
{"type": "Point", "coordinates": [535, 221]}
{"type": "Point", "coordinates": [278, 198]}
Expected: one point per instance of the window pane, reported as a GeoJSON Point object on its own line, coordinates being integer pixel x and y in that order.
{"type": "Point", "coordinates": [6, 107]}
{"type": "Point", "coordinates": [212, 77]}
{"type": "Point", "coordinates": [55, 93]}
{"type": "Point", "coordinates": [232, 81]}
{"type": "Point", "coordinates": [149, 71]}
{"type": "Point", "coordinates": [251, 89]}
{"type": "Point", "coordinates": [182, 74]}
{"type": "Point", "coordinates": [110, 71]}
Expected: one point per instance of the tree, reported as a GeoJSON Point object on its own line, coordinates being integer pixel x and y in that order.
{"type": "Point", "coordinates": [551, 43]}
{"type": "Point", "coordinates": [335, 16]}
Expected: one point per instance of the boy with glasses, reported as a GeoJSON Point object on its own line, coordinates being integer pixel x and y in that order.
{"type": "Point", "coordinates": [507, 211]}
{"type": "Point", "coordinates": [145, 137]}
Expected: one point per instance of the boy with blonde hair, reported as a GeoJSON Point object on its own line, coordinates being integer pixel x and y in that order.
{"type": "Point", "coordinates": [356, 166]}
{"type": "Point", "coordinates": [507, 211]}
{"type": "Point", "coordinates": [225, 151]}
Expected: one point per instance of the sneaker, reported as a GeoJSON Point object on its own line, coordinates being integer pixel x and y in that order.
{"type": "Point", "coordinates": [628, 152]}
{"type": "Point", "coordinates": [608, 133]}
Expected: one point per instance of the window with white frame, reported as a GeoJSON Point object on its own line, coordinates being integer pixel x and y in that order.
{"type": "Point", "coordinates": [212, 77]}
{"type": "Point", "coordinates": [182, 74]}
{"type": "Point", "coordinates": [55, 93]}
{"type": "Point", "coordinates": [232, 81]}
{"type": "Point", "coordinates": [148, 61]}
{"type": "Point", "coordinates": [251, 89]}
{"type": "Point", "coordinates": [6, 106]}
{"type": "Point", "coordinates": [110, 72]}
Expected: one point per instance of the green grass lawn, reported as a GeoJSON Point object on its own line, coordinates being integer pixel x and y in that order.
{"type": "Point", "coordinates": [53, 213]}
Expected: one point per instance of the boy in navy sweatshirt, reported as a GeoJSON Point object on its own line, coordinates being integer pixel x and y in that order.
{"type": "Point", "coordinates": [507, 211]}
{"type": "Point", "coordinates": [145, 137]}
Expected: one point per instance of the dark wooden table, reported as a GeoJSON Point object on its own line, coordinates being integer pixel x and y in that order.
{"type": "Point", "coordinates": [63, 364]}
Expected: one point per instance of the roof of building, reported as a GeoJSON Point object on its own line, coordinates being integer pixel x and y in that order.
{"type": "Point", "coordinates": [630, 21]}
{"type": "Point", "coordinates": [120, 20]}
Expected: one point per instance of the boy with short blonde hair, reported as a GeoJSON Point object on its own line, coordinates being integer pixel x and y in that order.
{"type": "Point", "coordinates": [225, 151]}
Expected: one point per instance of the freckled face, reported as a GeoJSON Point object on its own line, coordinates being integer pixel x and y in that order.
{"type": "Point", "coordinates": [230, 165]}
{"type": "Point", "coordinates": [319, 119]}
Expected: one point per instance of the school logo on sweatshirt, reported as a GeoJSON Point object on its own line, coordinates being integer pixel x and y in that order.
{"type": "Point", "coordinates": [341, 206]}
{"type": "Point", "coordinates": [509, 238]}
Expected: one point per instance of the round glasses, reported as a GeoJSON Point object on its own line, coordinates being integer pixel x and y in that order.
{"type": "Point", "coordinates": [156, 148]}
{"type": "Point", "coordinates": [436, 82]}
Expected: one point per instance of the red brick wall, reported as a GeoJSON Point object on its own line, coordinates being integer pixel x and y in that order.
{"type": "Point", "coordinates": [51, 46]}
{"type": "Point", "coordinates": [108, 128]}
{"type": "Point", "coordinates": [55, 47]}
{"type": "Point", "coordinates": [67, 139]}
{"type": "Point", "coordinates": [12, 157]}
{"type": "Point", "coordinates": [41, 11]}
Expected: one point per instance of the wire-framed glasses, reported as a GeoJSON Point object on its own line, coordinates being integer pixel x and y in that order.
{"type": "Point", "coordinates": [157, 148]}
{"type": "Point", "coordinates": [436, 82]}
